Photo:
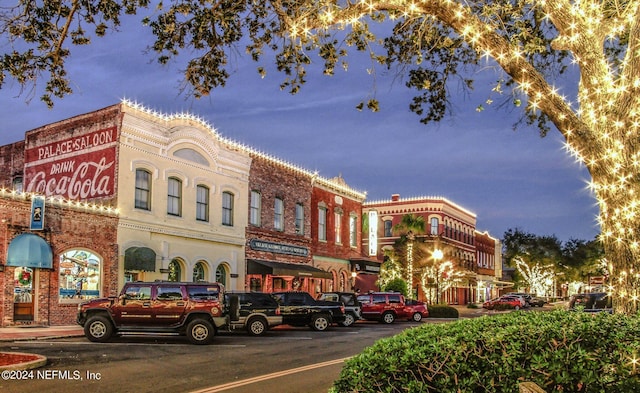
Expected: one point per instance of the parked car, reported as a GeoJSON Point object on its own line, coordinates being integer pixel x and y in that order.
{"type": "Point", "coordinates": [352, 308]}
{"type": "Point", "coordinates": [503, 302]}
{"type": "Point", "coordinates": [537, 301]}
{"type": "Point", "coordinates": [383, 306]}
{"type": "Point", "coordinates": [257, 312]}
{"type": "Point", "coordinates": [591, 302]}
{"type": "Point", "coordinates": [525, 297]}
{"type": "Point", "coordinates": [416, 310]}
{"type": "Point", "coordinates": [301, 309]}
{"type": "Point", "coordinates": [192, 309]}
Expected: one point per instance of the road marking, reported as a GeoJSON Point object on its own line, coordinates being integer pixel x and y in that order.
{"type": "Point", "coordinates": [248, 381]}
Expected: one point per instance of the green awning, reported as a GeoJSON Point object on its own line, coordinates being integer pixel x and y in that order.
{"type": "Point", "coordinates": [29, 250]}
{"type": "Point", "coordinates": [140, 258]}
{"type": "Point", "coordinates": [285, 269]}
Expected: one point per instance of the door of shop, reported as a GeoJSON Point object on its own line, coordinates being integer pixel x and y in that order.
{"type": "Point", "coordinates": [23, 294]}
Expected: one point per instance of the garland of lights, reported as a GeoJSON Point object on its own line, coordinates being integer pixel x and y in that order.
{"type": "Point", "coordinates": [602, 133]}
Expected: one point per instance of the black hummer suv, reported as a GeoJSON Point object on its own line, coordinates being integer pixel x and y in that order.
{"type": "Point", "coordinates": [192, 309]}
{"type": "Point", "coordinates": [257, 312]}
{"type": "Point", "coordinates": [301, 309]}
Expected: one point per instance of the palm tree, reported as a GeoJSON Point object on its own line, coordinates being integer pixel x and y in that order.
{"type": "Point", "coordinates": [409, 227]}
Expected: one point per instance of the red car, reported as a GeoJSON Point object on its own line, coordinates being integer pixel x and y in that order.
{"type": "Point", "coordinates": [415, 310]}
{"type": "Point", "coordinates": [504, 302]}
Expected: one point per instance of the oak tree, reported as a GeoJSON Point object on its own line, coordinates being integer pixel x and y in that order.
{"type": "Point", "coordinates": [433, 42]}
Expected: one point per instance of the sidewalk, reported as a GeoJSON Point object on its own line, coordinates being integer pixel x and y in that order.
{"type": "Point", "coordinates": [24, 333]}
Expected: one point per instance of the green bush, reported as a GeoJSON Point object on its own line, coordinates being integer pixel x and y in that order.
{"type": "Point", "coordinates": [442, 311]}
{"type": "Point", "coordinates": [472, 305]}
{"type": "Point", "coordinates": [558, 350]}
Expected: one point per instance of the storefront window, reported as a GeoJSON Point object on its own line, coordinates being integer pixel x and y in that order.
{"type": "Point", "coordinates": [198, 272]}
{"type": "Point", "coordinates": [79, 275]}
{"type": "Point", "coordinates": [221, 275]}
{"type": "Point", "coordinates": [175, 272]}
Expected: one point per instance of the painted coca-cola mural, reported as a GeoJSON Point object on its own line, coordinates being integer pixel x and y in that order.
{"type": "Point", "coordinates": [78, 168]}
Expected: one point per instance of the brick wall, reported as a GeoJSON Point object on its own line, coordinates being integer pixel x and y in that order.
{"type": "Point", "coordinates": [65, 228]}
{"type": "Point", "coordinates": [275, 180]}
{"type": "Point", "coordinates": [11, 162]}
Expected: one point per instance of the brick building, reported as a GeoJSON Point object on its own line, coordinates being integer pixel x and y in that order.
{"type": "Point", "coordinates": [336, 223]}
{"type": "Point", "coordinates": [444, 254]}
{"type": "Point", "coordinates": [44, 272]}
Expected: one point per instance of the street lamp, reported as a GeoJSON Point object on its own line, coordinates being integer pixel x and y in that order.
{"type": "Point", "coordinates": [354, 274]}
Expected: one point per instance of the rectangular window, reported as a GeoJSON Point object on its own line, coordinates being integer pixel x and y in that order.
{"type": "Point", "coordinates": [434, 226]}
{"type": "Point", "coordinates": [227, 208]}
{"type": "Point", "coordinates": [353, 231]}
{"type": "Point", "coordinates": [143, 190]}
{"type": "Point", "coordinates": [255, 210]}
{"type": "Point", "coordinates": [278, 217]}
{"type": "Point", "coordinates": [174, 197]}
{"type": "Point", "coordinates": [299, 219]}
{"type": "Point", "coordinates": [202, 203]}
{"type": "Point", "coordinates": [338, 227]}
{"type": "Point", "coordinates": [388, 228]}
{"type": "Point", "coordinates": [322, 223]}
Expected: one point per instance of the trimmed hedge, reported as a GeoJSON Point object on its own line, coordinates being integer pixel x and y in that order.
{"type": "Point", "coordinates": [558, 350]}
{"type": "Point", "coordinates": [442, 311]}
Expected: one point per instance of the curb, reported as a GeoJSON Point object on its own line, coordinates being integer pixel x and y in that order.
{"type": "Point", "coordinates": [34, 362]}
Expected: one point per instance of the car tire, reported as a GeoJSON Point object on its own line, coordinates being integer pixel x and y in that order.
{"type": "Point", "coordinates": [349, 319]}
{"type": "Point", "coordinates": [516, 308]}
{"type": "Point", "coordinates": [98, 329]}
{"type": "Point", "coordinates": [257, 326]}
{"type": "Point", "coordinates": [388, 318]}
{"type": "Point", "coordinates": [320, 322]}
{"type": "Point", "coordinates": [416, 317]}
{"type": "Point", "coordinates": [200, 331]}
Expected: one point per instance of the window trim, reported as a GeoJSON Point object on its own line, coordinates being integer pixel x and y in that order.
{"type": "Point", "coordinates": [227, 210]}
{"type": "Point", "coordinates": [204, 204]}
{"type": "Point", "coordinates": [138, 202]}
{"type": "Point", "coordinates": [278, 214]}
{"type": "Point", "coordinates": [255, 208]}
{"type": "Point", "coordinates": [174, 197]}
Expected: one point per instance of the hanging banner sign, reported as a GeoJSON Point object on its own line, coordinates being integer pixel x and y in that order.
{"type": "Point", "coordinates": [37, 213]}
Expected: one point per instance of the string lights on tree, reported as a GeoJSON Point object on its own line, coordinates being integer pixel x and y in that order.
{"type": "Point", "coordinates": [600, 129]}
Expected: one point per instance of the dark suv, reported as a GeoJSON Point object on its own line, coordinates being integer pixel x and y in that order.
{"type": "Point", "coordinates": [257, 312]}
{"type": "Point", "coordinates": [352, 308]}
{"type": "Point", "coordinates": [192, 309]}
{"type": "Point", "coordinates": [301, 309]}
{"type": "Point", "coordinates": [591, 302]}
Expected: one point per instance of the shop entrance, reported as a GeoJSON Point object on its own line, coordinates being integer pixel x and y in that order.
{"type": "Point", "coordinates": [23, 296]}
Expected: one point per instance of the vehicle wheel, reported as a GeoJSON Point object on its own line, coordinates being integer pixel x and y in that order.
{"type": "Point", "coordinates": [320, 322]}
{"type": "Point", "coordinates": [349, 320]}
{"type": "Point", "coordinates": [516, 308]}
{"type": "Point", "coordinates": [98, 329]}
{"type": "Point", "coordinates": [257, 326]}
{"type": "Point", "coordinates": [416, 317]}
{"type": "Point", "coordinates": [200, 331]}
{"type": "Point", "coordinates": [388, 317]}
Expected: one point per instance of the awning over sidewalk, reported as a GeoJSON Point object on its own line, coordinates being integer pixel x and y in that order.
{"type": "Point", "coordinates": [255, 266]}
{"type": "Point", "coordinates": [140, 258]}
{"type": "Point", "coordinates": [29, 250]}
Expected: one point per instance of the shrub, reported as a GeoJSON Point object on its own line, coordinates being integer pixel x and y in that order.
{"type": "Point", "coordinates": [472, 305]}
{"type": "Point", "coordinates": [558, 350]}
{"type": "Point", "coordinates": [442, 311]}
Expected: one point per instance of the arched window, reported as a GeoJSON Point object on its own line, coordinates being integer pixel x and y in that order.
{"type": "Point", "coordinates": [199, 272]}
{"type": "Point", "coordinates": [80, 275]}
{"type": "Point", "coordinates": [221, 275]}
{"type": "Point", "coordinates": [175, 271]}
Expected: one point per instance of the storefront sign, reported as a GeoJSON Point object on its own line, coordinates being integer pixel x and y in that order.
{"type": "Point", "coordinates": [278, 248]}
{"type": "Point", "coordinates": [78, 168]}
{"type": "Point", "coordinates": [373, 233]}
{"type": "Point", "coordinates": [37, 213]}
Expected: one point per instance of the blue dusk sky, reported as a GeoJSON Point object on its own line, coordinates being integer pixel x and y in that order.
{"type": "Point", "coordinates": [475, 159]}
